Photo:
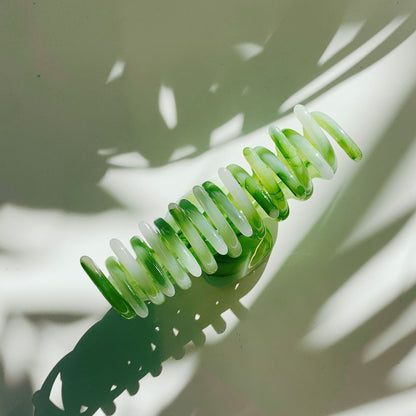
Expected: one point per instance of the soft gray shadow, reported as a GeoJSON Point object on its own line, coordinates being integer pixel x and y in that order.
{"type": "Point", "coordinates": [57, 112]}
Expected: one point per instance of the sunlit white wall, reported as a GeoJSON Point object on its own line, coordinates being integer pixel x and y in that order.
{"type": "Point", "coordinates": [39, 261]}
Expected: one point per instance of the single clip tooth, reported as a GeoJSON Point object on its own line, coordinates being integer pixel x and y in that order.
{"type": "Point", "coordinates": [310, 153]}
{"type": "Point", "coordinates": [166, 258]}
{"type": "Point", "coordinates": [228, 208]}
{"type": "Point", "coordinates": [339, 134]}
{"type": "Point", "coordinates": [242, 200]}
{"type": "Point", "coordinates": [106, 288]}
{"type": "Point", "coordinates": [197, 243]}
{"type": "Point", "coordinates": [204, 226]}
{"type": "Point", "coordinates": [316, 136]}
{"type": "Point", "coordinates": [131, 292]}
{"type": "Point", "coordinates": [229, 236]}
{"type": "Point", "coordinates": [177, 246]}
{"type": "Point", "coordinates": [135, 271]}
{"type": "Point", "coordinates": [151, 266]}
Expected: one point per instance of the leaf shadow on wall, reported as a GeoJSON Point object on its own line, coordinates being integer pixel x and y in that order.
{"type": "Point", "coordinates": [62, 125]}
{"type": "Point", "coordinates": [278, 375]}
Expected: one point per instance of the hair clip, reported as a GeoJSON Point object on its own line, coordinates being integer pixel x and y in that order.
{"type": "Point", "coordinates": [219, 230]}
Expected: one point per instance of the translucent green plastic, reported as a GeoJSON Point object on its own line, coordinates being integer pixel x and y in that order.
{"type": "Point", "coordinates": [221, 230]}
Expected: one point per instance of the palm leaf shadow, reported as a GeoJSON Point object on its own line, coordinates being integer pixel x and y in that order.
{"type": "Point", "coordinates": [271, 372]}
{"type": "Point", "coordinates": [88, 375]}
{"type": "Point", "coordinates": [65, 124]}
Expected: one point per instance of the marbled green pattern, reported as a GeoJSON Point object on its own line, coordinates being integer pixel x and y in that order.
{"type": "Point", "coordinates": [115, 299]}
{"type": "Point", "coordinates": [219, 230]}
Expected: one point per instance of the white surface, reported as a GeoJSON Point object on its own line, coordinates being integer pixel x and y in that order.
{"type": "Point", "coordinates": [40, 272]}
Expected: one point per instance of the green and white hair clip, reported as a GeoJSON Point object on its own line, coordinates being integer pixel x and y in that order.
{"type": "Point", "coordinates": [219, 230]}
